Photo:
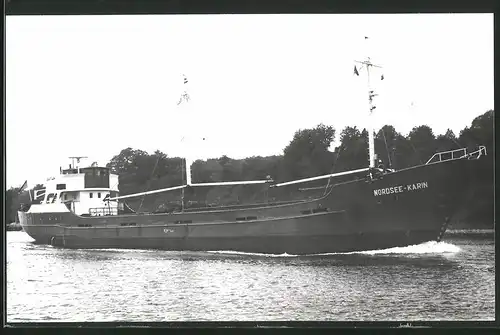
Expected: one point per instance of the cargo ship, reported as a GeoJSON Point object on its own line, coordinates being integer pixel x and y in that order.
{"type": "Point", "coordinates": [365, 209]}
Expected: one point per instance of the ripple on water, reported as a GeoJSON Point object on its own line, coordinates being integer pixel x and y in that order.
{"type": "Point", "coordinates": [450, 280]}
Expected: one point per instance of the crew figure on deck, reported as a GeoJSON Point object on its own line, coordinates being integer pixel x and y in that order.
{"type": "Point", "coordinates": [381, 165]}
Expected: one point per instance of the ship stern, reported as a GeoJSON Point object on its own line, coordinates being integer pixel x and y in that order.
{"type": "Point", "coordinates": [39, 227]}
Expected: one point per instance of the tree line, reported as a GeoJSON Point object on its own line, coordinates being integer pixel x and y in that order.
{"type": "Point", "coordinates": [308, 154]}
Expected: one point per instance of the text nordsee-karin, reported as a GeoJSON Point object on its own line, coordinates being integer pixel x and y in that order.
{"type": "Point", "coordinates": [400, 189]}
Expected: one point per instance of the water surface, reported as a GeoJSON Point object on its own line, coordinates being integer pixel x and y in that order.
{"type": "Point", "coordinates": [450, 280]}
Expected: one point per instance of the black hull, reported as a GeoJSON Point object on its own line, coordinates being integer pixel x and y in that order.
{"type": "Point", "coordinates": [291, 245]}
{"type": "Point", "coordinates": [403, 208]}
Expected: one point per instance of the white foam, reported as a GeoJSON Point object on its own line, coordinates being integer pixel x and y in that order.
{"type": "Point", "coordinates": [431, 247]}
{"type": "Point", "coordinates": [119, 250]}
{"type": "Point", "coordinates": [229, 252]}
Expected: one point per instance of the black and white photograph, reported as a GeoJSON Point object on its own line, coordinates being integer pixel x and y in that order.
{"type": "Point", "coordinates": [249, 168]}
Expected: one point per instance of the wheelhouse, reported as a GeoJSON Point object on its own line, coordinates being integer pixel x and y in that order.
{"type": "Point", "coordinates": [83, 190]}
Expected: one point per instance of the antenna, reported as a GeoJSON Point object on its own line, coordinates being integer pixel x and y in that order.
{"type": "Point", "coordinates": [77, 159]}
{"type": "Point", "coordinates": [371, 94]}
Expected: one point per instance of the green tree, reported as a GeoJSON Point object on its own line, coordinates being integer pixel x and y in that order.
{"type": "Point", "coordinates": [423, 142]}
{"type": "Point", "coordinates": [447, 141]}
{"type": "Point", "coordinates": [307, 154]}
{"type": "Point", "coordinates": [353, 150]}
{"type": "Point", "coordinates": [10, 197]}
{"type": "Point", "coordinates": [479, 133]}
{"type": "Point", "coordinates": [481, 210]}
{"type": "Point", "coordinates": [125, 161]}
{"type": "Point", "coordinates": [13, 201]}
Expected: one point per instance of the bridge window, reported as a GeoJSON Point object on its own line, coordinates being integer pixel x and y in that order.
{"type": "Point", "coordinates": [91, 195]}
{"type": "Point", "coordinates": [60, 186]}
{"type": "Point", "coordinates": [96, 177]}
{"type": "Point", "coordinates": [99, 195]}
{"type": "Point", "coordinates": [50, 196]}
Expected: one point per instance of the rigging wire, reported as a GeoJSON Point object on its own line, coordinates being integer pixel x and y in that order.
{"type": "Point", "coordinates": [333, 167]}
{"type": "Point", "coordinates": [386, 148]}
{"type": "Point", "coordinates": [418, 155]}
{"type": "Point", "coordinates": [456, 142]}
{"type": "Point", "coordinates": [183, 161]}
{"type": "Point", "coordinates": [149, 183]}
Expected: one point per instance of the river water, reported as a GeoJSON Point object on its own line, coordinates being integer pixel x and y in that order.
{"type": "Point", "coordinates": [450, 280]}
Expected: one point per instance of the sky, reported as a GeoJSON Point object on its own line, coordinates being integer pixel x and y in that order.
{"type": "Point", "coordinates": [94, 85]}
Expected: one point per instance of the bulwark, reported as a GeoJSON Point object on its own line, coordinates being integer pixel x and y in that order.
{"type": "Point", "coordinates": [400, 188]}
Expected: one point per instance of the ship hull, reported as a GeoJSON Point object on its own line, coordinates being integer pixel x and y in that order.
{"type": "Point", "coordinates": [406, 207]}
{"type": "Point", "coordinates": [291, 245]}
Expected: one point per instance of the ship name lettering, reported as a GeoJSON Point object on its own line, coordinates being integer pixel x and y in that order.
{"type": "Point", "coordinates": [400, 189]}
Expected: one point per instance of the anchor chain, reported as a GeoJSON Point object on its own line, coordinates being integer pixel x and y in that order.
{"type": "Point", "coordinates": [443, 229]}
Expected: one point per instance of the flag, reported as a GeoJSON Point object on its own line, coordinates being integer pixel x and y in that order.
{"type": "Point", "coordinates": [366, 37]}
{"type": "Point", "coordinates": [184, 95]}
{"type": "Point", "coordinates": [356, 71]}
{"type": "Point", "coordinates": [23, 187]}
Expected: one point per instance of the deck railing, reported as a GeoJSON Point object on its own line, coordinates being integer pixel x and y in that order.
{"type": "Point", "coordinates": [456, 154]}
{"type": "Point", "coordinates": [103, 211]}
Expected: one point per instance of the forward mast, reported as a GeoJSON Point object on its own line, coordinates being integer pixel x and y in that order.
{"type": "Point", "coordinates": [189, 159]}
{"type": "Point", "coordinates": [367, 64]}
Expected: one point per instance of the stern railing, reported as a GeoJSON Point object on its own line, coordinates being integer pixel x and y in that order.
{"type": "Point", "coordinates": [102, 211]}
{"type": "Point", "coordinates": [461, 153]}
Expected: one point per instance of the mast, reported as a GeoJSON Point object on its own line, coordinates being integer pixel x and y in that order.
{"type": "Point", "coordinates": [371, 94]}
{"type": "Point", "coordinates": [183, 101]}
{"type": "Point", "coordinates": [188, 157]}
{"type": "Point", "coordinates": [371, 139]}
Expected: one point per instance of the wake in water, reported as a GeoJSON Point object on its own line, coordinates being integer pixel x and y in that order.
{"type": "Point", "coordinates": [229, 252]}
{"type": "Point", "coordinates": [431, 247]}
